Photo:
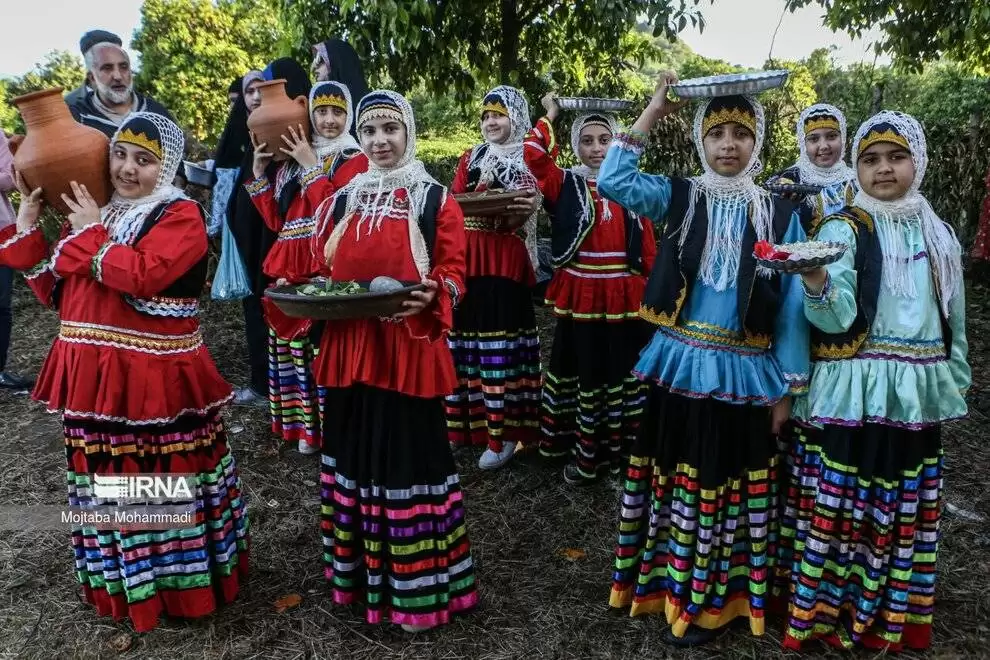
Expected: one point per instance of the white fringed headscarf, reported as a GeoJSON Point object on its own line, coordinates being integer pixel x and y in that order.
{"type": "Point", "coordinates": [893, 219]}
{"type": "Point", "coordinates": [590, 119]}
{"type": "Point", "coordinates": [503, 162]}
{"type": "Point", "coordinates": [726, 197]}
{"type": "Point", "coordinates": [372, 194]}
{"type": "Point", "coordinates": [329, 147]}
{"type": "Point", "coordinates": [124, 218]}
{"type": "Point", "coordinates": [814, 174]}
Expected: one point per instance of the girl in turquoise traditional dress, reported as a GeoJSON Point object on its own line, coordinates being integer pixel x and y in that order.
{"type": "Point", "coordinates": [889, 350]}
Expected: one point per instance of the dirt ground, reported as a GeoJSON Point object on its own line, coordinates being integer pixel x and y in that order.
{"type": "Point", "coordinates": [536, 601]}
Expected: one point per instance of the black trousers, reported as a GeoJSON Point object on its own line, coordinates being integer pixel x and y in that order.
{"type": "Point", "coordinates": [256, 333]}
{"type": "Point", "coordinates": [6, 318]}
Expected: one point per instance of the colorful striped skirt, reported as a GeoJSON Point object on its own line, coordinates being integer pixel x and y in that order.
{"type": "Point", "coordinates": [292, 391]}
{"type": "Point", "coordinates": [591, 403]}
{"type": "Point", "coordinates": [860, 536]}
{"type": "Point", "coordinates": [183, 573]}
{"type": "Point", "coordinates": [496, 349]}
{"type": "Point", "coordinates": [392, 517]}
{"type": "Point", "coordinates": [698, 523]}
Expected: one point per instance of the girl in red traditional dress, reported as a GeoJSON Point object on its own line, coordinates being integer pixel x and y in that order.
{"type": "Point", "coordinates": [287, 208]}
{"type": "Point", "coordinates": [137, 388]}
{"type": "Point", "coordinates": [393, 524]}
{"type": "Point", "coordinates": [495, 341]}
{"type": "Point", "coordinates": [602, 254]}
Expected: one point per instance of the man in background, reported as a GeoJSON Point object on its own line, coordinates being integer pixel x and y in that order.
{"type": "Point", "coordinates": [111, 96]}
{"type": "Point", "coordinates": [87, 41]}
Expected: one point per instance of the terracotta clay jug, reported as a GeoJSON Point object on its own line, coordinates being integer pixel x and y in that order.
{"type": "Point", "coordinates": [271, 120]}
{"type": "Point", "coordinates": [57, 150]}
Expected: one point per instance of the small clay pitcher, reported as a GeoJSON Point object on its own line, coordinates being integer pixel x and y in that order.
{"type": "Point", "coordinates": [57, 150]}
{"type": "Point", "coordinates": [277, 112]}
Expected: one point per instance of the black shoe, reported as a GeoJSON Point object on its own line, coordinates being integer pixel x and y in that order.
{"type": "Point", "coordinates": [694, 636]}
{"type": "Point", "coordinates": [576, 477]}
{"type": "Point", "coordinates": [9, 381]}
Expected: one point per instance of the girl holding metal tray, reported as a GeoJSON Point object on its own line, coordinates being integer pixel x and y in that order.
{"type": "Point", "coordinates": [698, 523]}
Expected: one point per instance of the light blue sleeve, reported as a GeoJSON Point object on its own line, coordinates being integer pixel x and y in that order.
{"type": "Point", "coordinates": [620, 180]}
{"type": "Point", "coordinates": [958, 352]}
{"type": "Point", "coordinates": [834, 310]}
{"type": "Point", "coordinates": [791, 334]}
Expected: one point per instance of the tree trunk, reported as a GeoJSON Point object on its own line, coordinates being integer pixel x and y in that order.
{"type": "Point", "coordinates": [509, 53]}
{"type": "Point", "coordinates": [877, 104]}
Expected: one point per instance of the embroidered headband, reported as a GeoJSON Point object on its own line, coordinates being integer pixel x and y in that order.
{"type": "Point", "coordinates": [725, 109]}
{"type": "Point", "coordinates": [379, 106]}
{"type": "Point", "coordinates": [883, 132]}
{"type": "Point", "coordinates": [328, 94]}
{"type": "Point", "coordinates": [141, 133]}
{"type": "Point", "coordinates": [493, 102]}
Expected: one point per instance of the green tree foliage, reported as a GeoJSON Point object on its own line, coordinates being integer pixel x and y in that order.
{"type": "Point", "coordinates": [917, 31]}
{"type": "Point", "coordinates": [460, 47]}
{"type": "Point", "coordinates": [59, 69]}
{"type": "Point", "coordinates": [192, 49]}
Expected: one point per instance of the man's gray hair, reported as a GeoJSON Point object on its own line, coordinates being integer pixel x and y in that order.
{"type": "Point", "coordinates": [90, 55]}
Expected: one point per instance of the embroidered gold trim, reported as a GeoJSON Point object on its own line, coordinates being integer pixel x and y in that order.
{"type": "Point", "coordinates": [726, 115]}
{"type": "Point", "coordinates": [323, 100]}
{"type": "Point", "coordinates": [661, 317]}
{"type": "Point", "coordinates": [888, 135]}
{"type": "Point", "coordinates": [838, 351]}
{"type": "Point", "coordinates": [121, 338]}
{"type": "Point", "coordinates": [141, 140]}
{"type": "Point", "coordinates": [381, 111]}
{"type": "Point", "coordinates": [822, 122]}
{"type": "Point", "coordinates": [494, 106]}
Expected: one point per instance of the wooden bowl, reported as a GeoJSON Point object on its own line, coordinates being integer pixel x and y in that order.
{"type": "Point", "coordinates": [487, 203]}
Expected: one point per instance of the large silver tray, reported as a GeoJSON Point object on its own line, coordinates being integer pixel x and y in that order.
{"type": "Point", "coordinates": [590, 104]}
{"type": "Point", "coordinates": [729, 84]}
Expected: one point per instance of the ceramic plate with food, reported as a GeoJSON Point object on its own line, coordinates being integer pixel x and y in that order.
{"type": "Point", "coordinates": [797, 257]}
{"type": "Point", "coordinates": [327, 300]}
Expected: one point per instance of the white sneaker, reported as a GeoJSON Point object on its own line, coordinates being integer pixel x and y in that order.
{"type": "Point", "coordinates": [492, 461]}
{"type": "Point", "coordinates": [414, 629]}
{"type": "Point", "coordinates": [306, 449]}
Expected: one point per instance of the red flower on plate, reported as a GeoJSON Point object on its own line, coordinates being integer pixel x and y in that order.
{"type": "Point", "coordinates": [765, 250]}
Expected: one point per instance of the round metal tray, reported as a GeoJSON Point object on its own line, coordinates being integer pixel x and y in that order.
{"type": "Point", "coordinates": [793, 189]}
{"type": "Point", "coordinates": [199, 176]}
{"type": "Point", "coordinates": [336, 308]}
{"type": "Point", "coordinates": [803, 265]}
{"type": "Point", "coordinates": [729, 84]}
{"type": "Point", "coordinates": [589, 104]}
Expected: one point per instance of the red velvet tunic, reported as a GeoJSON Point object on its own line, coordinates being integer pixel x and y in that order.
{"type": "Point", "coordinates": [411, 356]}
{"type": "Point", "coordinates": [596, 283]}
{"type": "Point", "coordinates": [110, 361]}
{"type": "Point", "coordinates": [291, 257]}
{"type": "Point", "coordinates": [491, 252]}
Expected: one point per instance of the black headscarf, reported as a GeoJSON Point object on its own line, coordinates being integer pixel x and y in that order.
{"type": "Point", "coordinates": [235, 140]}
{"type": "Point", "coordinates": [254, 238]}
{"type": "Point", "coordinates": [345, 67]}
{"type": "Point", "coordinates": [295, 76]}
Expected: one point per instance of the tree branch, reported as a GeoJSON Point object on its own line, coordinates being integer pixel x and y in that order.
{"type": "Point", "coordinates": [534, 11]}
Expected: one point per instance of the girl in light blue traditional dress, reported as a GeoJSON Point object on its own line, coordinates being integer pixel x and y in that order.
{"type": "Point", "coordinates": [698, 523]}
{"type": "Point", "coordinates": [889, 350]}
